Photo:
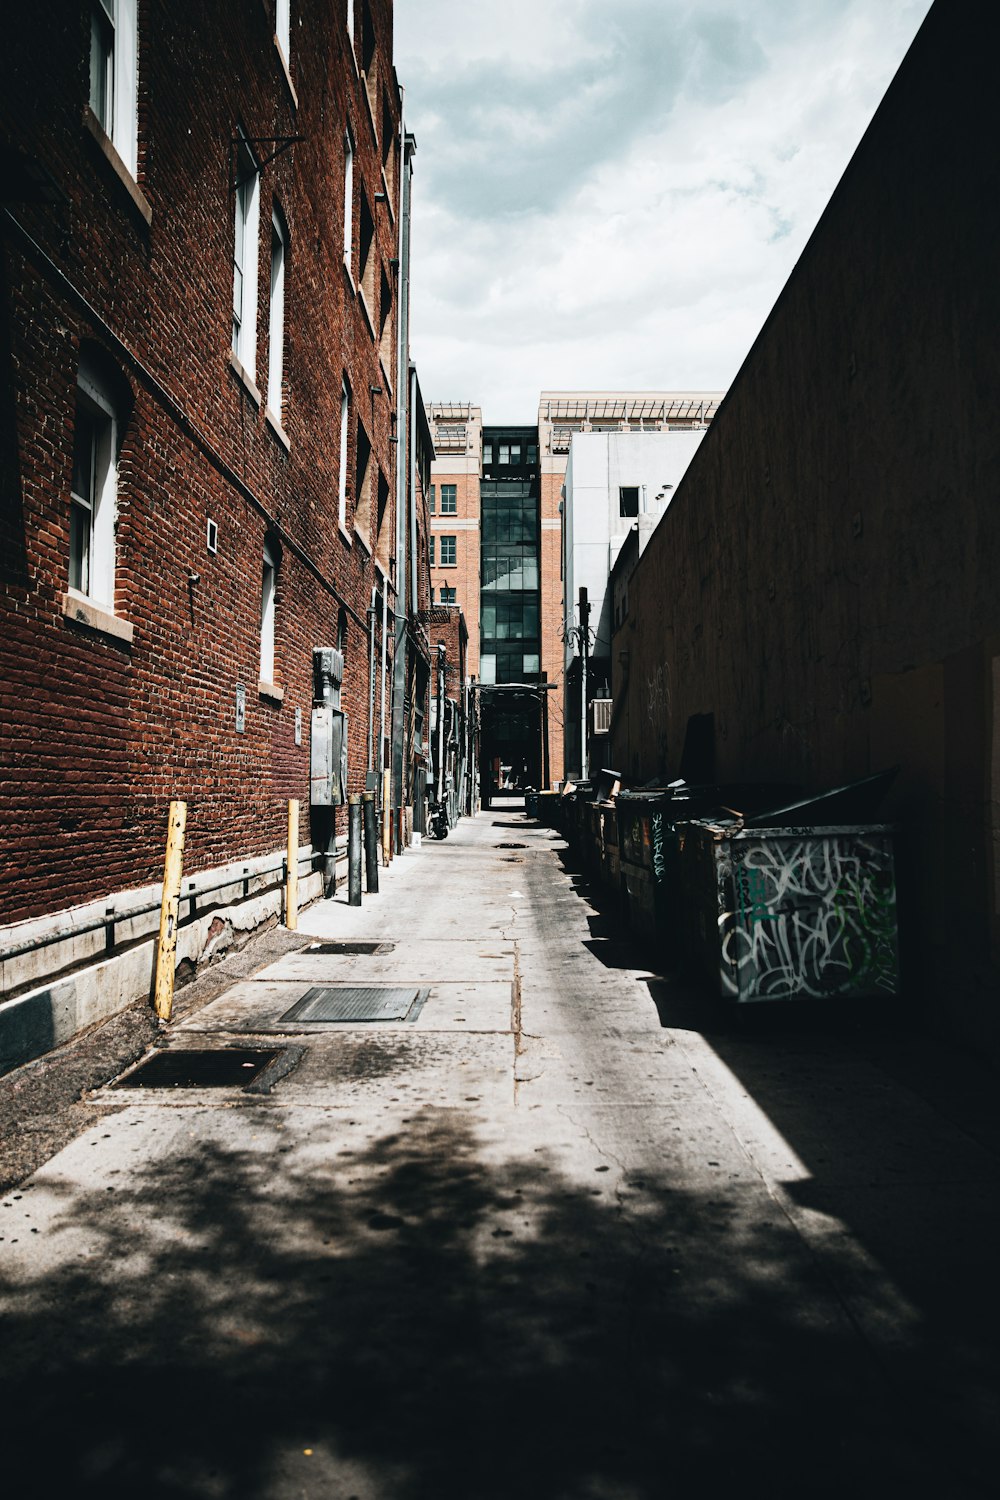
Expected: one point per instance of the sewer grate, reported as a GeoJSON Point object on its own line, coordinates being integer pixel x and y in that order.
{"type": "Point", "coordinates": [229, 1067]}
{"type": "Point", "coordinates": [349, 948]}
{"type": "Point", "coordinates": [353, 1003]}
{"type": "Point", "coordinates": [512, 846]}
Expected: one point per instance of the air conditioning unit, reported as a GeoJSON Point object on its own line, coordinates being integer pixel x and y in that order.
{"type": "Point", "coordinates": [600, 716]}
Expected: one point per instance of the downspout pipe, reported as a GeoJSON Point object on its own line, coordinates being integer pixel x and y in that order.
{"type": "Point", "coordinates": [399, 665]}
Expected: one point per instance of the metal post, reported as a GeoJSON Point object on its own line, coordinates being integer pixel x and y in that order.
{"type": "Point", "coordinates": [371, 841]}
{"type": "Point", "coordinates": [292, 876]}
{"type": "Point", "coordinates": [386, 816]}
{"type": "Point", "coordinates": [166, 951]}
{"type": "Point", "coordinates": [584, 658]}
{"type": "Point", "coordinates": [354, 849]}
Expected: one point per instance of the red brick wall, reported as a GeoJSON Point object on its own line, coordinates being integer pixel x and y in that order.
{"type": "Point", "coordinates": [99, 735]}
{"type": "Point", "coordinates": [464, 576]}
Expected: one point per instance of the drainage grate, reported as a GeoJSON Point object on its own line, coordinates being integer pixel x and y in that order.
{"type": "Point", "coordinates": [512, 846]}
{"type": "Point", "coordinates": [349, 948]}
{"type": "Point", "coordinates": [352, 1003]}
{"type": "Point", "coordinates": [219, 1068]}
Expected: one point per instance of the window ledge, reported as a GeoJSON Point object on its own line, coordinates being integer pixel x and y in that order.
{"type": "Point", "coordinates": [369, 111]}
{"type": "Point", "coordinates": [286, 70]}
{"type": "Point", "coordinates": [345, 534]}
{"type": "Point", "coordinates": [272, 691]}
{"type": "Point", "coordinates": [349, 277]}
{"type": "Point", "coordinates": [388, 197]}
{"type": "Point", "coordinates": [121, 171]}
{"type": "Point", "coordinates": [83, 611]}
{"type": "Point", "coordinates": [366, 544]}
{"type": "Point", "coordinates": [275, 425]}
{"type": "Point", "coordinates": [365, 309]}
{"type": "Point", "coordinates": [244, 377]}
{"type": "Point", "coordinates": [353, 55]}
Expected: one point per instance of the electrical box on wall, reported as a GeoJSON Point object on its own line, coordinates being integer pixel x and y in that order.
{"type": "Point", "coordinates": [328, 758]}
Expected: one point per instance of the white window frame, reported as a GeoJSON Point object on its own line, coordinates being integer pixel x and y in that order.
{"type": "Point", "coordinates": [430, 549]}
{"type": "Point", "coordinates": [345, 419]}
{"type": "Point", "coordinates": [449, 544]}
{"type": "Point", "coordinates": [246, 237]}
{"type": "Point", "coordinates": [114, 75]}
{"type": "Point", "coordinates": [276, 316]}
{"type": "Point", "coordinates": [283, 27]}
{"type": "Point", "coordinates": [451, 497]}
{"type": "Point", "coordinates": [350, 20]}
{"type": "Point", "coordinates": [93, 566]}
{"type": "Point", "coordinates": [349, 199]}
{"type": "Point", "coordinates": [269, 576]}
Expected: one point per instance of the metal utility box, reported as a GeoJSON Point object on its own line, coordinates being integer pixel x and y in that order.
{"type": "Point", "coordinates": [328, 757]}
{"type": "Point", "coordinates": [793, 913]}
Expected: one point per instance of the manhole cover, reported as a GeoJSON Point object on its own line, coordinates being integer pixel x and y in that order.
{"type": "Point", "coordinates": [348, 948]}
{"type": "Point", "coordinates": [230, 1067]}
{"type": "Point", "coordinates": [512, 846]}
{"type": "Point", "coordinates": [352, 1003]}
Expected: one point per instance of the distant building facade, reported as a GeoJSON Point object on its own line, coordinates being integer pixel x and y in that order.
{"type": "Point", "coordinates": [498, 551]}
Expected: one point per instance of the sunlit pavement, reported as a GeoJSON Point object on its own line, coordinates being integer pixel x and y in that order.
{"type": "Point", "coordinates": [562, 1233]}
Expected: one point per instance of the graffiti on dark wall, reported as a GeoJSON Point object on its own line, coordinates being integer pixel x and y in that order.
{"type": "Point", "coordinates": [810, 915]}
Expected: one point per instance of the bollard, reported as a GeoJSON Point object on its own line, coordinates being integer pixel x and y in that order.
{"type": "Point", "coordinates": [386, 817]}
{"type": "Point", "coordinates": [292, 871]}
{"type": "Point", "coordinates": [371, 841]}
{"type": "Point", "coordinates": [354, 850]}
{"type": "Point", "coordinates": [166, 950]}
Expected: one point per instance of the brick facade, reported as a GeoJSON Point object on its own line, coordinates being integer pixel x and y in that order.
{"type": "Point", "coordinates": [108, 714]}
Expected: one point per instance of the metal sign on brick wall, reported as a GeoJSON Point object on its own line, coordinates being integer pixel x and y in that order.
{"type": "Point", "coordinates": [241, 708]}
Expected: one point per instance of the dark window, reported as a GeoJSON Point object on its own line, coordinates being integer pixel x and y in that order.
{"type": "Point", "coordinates": [447, 595]}
{"type": "Point", "coordinates": [628, 500]}
{"type": "Point", "coordinates": [431, 499]}
{"type": "Point", "coordinates": [447, 551]}
{"type": "Point", "coordinates": [449, 499]}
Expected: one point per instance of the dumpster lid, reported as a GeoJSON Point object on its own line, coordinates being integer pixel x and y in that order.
{"type": "Point", "coordinates": [856, 802]}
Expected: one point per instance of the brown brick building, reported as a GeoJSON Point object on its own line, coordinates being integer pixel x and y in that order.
{"type": "Point", "coordinates": [205, 431]}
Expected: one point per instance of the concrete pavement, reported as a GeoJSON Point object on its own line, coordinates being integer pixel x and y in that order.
{"type": "Point", "coordinates": [561, 1233]}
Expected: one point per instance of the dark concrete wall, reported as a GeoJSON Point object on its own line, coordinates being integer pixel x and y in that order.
{"type": "Point", "coordinates": [827, 580]}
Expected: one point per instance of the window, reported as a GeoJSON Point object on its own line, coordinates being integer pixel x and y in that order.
{"type": "Point", "coordinates": [269, 578]}
{"type": "Point", "coordinates": [515, 453]}
{"type": "Point", "coordinates": [114, 75]}
{"type": "Point", "coordinates": [363, 486]}
{"type": "Point", "coordinates": [345, 414]}
{"type": "Point", "coordinates": [430, 544]}
{"type": "Point", "coordinates": [447, 595]}
{"type": "Point", "coordinates": [94, 492]}
{"type": "Point", "coordinates": [348, 199]}
{"type": "Point", "coordinates": [276, 319]}
{"type": "Point", "coordinates": [504, 453]}
{"type": "Point", "coordinates": [350, 20]}
{"type": "Point", "coordinates": [628, 500]}
{"type": "Point", "coordinates": [282, 26]}
{"type": "Point", "coordinates": [447, 552]}
{"type": "Point", "coordinates": [532, 453]}
{"type": "Point", "coordinates": [247, 231]}
{"type": "Point", "coordinates": [431, 499]}
{"type": "Point", "coordinates": [449, 499]}
{"type": "Point", "coordinates": [366, 254]}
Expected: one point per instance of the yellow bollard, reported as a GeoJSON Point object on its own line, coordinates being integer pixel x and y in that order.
{"type": "Point", "coordinates": [166, 952]}
{"type": "Point", "coordinates": [386, 817]}
{"type": "Point", "coordinates": [292, 874]}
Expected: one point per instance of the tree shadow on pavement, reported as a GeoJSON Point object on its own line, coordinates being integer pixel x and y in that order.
{"type": "Point", "coordinates": [405, 1319]}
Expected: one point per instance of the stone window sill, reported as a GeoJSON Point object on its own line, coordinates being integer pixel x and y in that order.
{"type": "Point", "coordinates": [107, 148]}
{"type": "Point", "coordinates": [275, 425]}
{"type": "Point", "coordinates": [286, 70]}
{"type": "Point", "coordinates": [244, 377]}
{"type": "Point", "coordinates": [83, 611]}
{"type": "Point", "coordinates": [272, 691]}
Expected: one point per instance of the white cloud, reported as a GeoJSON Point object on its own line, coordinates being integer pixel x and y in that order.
{"type": "Point", "coordinates": [618, 202]}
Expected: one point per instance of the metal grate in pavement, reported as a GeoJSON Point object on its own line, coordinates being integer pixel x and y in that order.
{"type": "Point", "coordinates": [229, 1067]}
{"type": "Point", "coordinates": [353, 1003]}
{"type": "Point", "coordinates": [351, 948]}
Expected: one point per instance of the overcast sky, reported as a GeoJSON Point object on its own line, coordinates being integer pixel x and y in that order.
{"type": "Point", "coordinates": [612, 193]}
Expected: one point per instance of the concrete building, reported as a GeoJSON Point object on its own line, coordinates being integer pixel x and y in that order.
{"type": "Point", "coordinates": [823, 589]}
{"type": "Point", "coordinates": [211, 451]}
{"type": "Point", "coordinates": [617, 484]}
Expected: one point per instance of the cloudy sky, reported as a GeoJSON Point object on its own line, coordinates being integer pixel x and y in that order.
{"type": "Point", "coordinates": [611, 193]}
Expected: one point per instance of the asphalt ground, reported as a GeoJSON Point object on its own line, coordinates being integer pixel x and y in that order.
{"type": "Point", "coordinates": [565, 1231]}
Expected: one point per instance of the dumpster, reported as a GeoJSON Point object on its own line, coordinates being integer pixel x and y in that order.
{"type": "Point", "coordinates": [530, 802]}
{"type": "Point", "coordinates": [609, 868]}
{"type": "Point", "coordinates": [645, 829]}
{"type": "Point", "coordinates": [793, 912]}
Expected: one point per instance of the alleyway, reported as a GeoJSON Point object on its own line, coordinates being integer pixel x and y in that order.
{"type": "Point", "coordinates": [559, 1234]}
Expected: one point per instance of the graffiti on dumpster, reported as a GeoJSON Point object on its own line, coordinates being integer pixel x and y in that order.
{"type": "Point", "coordinates": [812, 916]}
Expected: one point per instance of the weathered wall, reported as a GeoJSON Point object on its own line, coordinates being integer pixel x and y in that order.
{"type": "Point", "coordinates": [826, 580]}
